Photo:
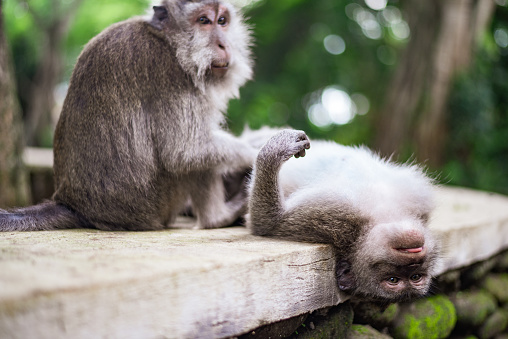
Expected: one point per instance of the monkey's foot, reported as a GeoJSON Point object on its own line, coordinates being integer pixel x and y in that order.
{"type": "Point", "coordinates": [285, 144]}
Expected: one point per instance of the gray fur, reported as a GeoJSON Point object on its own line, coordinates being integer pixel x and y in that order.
{"type": "Point", "coordinates": [141, 127]}
{"type": "Point", "coordinates": [370, 209]}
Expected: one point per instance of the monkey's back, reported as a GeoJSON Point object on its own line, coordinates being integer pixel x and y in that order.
{"type": "Point", "coordinates": [354, 178]}
{"type": "Point", "coordinates": [106, 159]}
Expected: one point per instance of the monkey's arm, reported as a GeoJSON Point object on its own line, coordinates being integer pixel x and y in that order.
{"type": "Point", "coordinates": [232, 151]}
{"type": "Point", "coordinates": [218, 149]}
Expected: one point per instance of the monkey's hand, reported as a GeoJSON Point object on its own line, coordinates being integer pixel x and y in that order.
{"type": "Point", "coordinates": [284, 145]}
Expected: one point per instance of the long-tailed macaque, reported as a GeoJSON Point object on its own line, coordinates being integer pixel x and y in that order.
{"type": "Point", "coordinates": [373, 211]}
{"type": "Point", "coordinates": [140, 132]}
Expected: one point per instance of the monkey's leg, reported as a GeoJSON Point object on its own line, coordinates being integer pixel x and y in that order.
{"type": "Point", "coordinates": [266, 205]}
{"type": "Point", "coordinates": [305, 219]}
{"type": "Point", "coordinates": [209, 202]}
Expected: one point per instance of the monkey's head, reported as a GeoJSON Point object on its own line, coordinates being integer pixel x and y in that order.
{"type": "Point", "coordinates": [391, 262]}
{"type": "Point", "coordinates": [210, 40]}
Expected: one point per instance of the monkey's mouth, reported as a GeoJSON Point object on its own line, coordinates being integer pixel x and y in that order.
{"type": "Point", "coordinates": [219, 68]}
{"type": "Point", "coordinates": [221, 64]}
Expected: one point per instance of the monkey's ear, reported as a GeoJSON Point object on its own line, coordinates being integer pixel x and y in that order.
{"type": "Point", "coordinates": [160, 12]}
{"type": "Point", "coordinates": [345, 278]}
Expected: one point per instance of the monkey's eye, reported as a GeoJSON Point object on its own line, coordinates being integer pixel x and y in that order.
{"type": "Point", "coordinates": [204, 20]}
{"type": "Point", "coordinates": [222, 21]}
{"type": "Point", "coordinates": [416, 277]}
{"type": "Point", "coordinates": [393, 280]}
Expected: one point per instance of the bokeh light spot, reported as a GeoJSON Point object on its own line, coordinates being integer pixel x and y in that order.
{"type": "Point", "coordinates": [376, 4]}
{"type": "Point", "coordinates": [501, 37]}
{"type": "Point", "coordinates": [334, 44]}
{"type": "Point", "coordinates": [334, 106]}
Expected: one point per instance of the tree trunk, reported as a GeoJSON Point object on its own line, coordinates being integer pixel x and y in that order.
{"type": "Point", "coordinates": [443, 39]}
{"type": "Point", "coordinates": [41, 100]}
{"type": "Point", "coordinates": [13, 176]}
{"type": "Point", "coordinates": [408, 83]}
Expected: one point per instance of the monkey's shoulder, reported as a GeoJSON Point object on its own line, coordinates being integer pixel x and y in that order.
{"type": "Point", "coordinates": [127, 53]}
{"type": "Point", "coordinates": [130, 40]}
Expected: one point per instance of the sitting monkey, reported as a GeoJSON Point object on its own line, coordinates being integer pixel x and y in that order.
{"type": "Point", "coordinates": [140, 132]}
{"type": "Point", "coordinates": [373, 211]}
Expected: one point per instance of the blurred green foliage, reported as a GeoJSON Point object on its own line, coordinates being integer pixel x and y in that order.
{"type": "Point", "coordinates": [294, 67]}
{"type": "Point", "coordinates": [478, 117]}
{"type": "Point", "coordinates": [95, 15]}
{"type": "Point", "coordinates": [91, 18]}
{"type": "Point", "coordinates": [292, 63]}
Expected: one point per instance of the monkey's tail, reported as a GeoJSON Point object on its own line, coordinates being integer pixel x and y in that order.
{"type": "Point", "coordinates": [45, 216]}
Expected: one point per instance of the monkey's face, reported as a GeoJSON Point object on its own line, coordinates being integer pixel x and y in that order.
{"type": "Point", "coordinates": [210, 40]}
{"type": "Point", "coordinates": [393, 261]}
{"type": "Point", "coordinates": [211, 25]}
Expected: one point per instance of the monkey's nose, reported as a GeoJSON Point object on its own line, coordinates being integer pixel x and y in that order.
{"type": "Point", "coordinates": [223, 52]}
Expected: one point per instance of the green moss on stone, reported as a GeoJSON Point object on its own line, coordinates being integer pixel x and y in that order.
{"type": "Point", "coordinates": [433, 317]}
{"type": "Point", "coordinates": [387, 315]}
{"type": "Point", "coordinates": [365, 332]}
{"type": "Point", "coordinates": [375, 314]}
{"type": "Point", "coordinates": [359, 329]}
{"type": "Point", "coordinates": [336, 324]}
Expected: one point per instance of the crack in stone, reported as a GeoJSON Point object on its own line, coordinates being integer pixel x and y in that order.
{"type": "Point", "coordinates": [311, 263]}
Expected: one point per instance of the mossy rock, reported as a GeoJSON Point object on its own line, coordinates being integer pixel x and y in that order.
{"type": "Point", "coordinates": [365, 332]}
{"type": "Point", "coordinates": [335, 324]}
{"type": "Point", "coordinates": [429, 318]}
{"type": "Point", "coordinates": [497, 285]}
{"type": "Point", "coordinates": [279, 329]}
{"type": "Point", "coordinates": [449, 281]}
{"type": "Point", "coordinates": [475, 273]}
{"type": "Point", "coordinates": [502, 262]}
{"type": "Point", "coordinates": [473, 307]}
{"type": "Point", "coordinates": [495, 324]}
{"type": "Point", "coordinates": [374, 314]}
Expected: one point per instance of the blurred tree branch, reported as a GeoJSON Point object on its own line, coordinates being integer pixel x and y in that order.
{"type": "Point", "coordinates": [13, 177]}
{"type": "Point", "coordinates": [443, 41]}
{"type": "Point", "coordinates": [54, 27]}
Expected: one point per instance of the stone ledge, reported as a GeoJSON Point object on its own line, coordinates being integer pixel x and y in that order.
{"type": "Point", "coordinates": [184, 283]}
{"type": "Point", "coordinates": [38, 159]}
{"type": "Point", "coordinates": [471, 225]}
{"type": "Point", "coordinates": [176, 283]}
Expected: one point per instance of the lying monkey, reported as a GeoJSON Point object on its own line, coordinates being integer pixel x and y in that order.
{"type": "Point", "coordinates": [373, 211]}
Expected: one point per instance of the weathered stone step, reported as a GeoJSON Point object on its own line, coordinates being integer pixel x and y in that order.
{"type": "Point", "coordinates": [472, 225]}
{"type": "Point", "coordinates": [185, 283]}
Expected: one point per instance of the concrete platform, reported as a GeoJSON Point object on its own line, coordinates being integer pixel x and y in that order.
{"type": "Point", "coordinates": [185, 283]}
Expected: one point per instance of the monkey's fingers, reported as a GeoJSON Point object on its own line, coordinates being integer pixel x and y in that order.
{"type": "Point", "coordinates": [304, 139]}
{"type": "Point", "coordinates": [300, 154]}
